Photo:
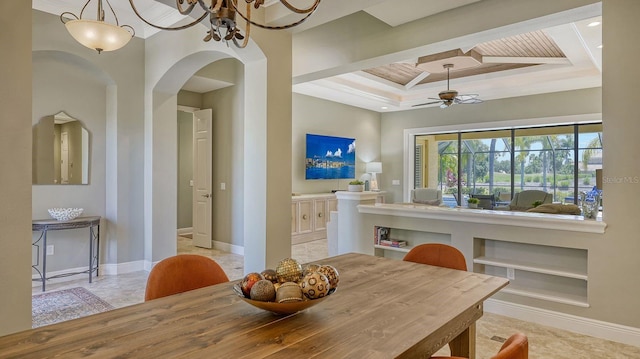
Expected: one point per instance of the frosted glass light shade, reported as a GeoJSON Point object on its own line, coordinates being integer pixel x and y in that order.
{"type": "Point", "coordinates": [373, 167]}
{"type": "Point", "coordinates": [98, 35]}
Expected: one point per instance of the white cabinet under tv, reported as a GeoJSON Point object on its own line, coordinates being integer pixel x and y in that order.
{"type": "Point", "coordinates": [309, 216]}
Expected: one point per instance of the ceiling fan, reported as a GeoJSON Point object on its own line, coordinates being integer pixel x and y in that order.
{"type": "Point", "coordinates": [450, 97]}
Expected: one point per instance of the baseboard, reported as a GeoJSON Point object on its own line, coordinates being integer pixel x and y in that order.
{"type": "Point", "coordinates": [187, 230]}
{"type": "Point", "coordinates": [227, 247]}
{"type": "Point", "coordinates": [592, 327]}
{"type": "Point", "coordinates": [121, 268]}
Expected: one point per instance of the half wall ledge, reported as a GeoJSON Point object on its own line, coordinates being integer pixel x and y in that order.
{"type": "Point", "coordinates": [506, 218]}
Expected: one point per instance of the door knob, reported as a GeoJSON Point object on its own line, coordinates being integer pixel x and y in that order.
{"type": "Point", "coordinates": [206, 195]}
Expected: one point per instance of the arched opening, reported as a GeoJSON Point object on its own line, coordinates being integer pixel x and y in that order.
{"type": "Point", "coordinates": [248, 213]}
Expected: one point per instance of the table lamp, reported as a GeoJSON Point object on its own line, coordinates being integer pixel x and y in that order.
{"type": "Point", "coordinates": [373, 168]}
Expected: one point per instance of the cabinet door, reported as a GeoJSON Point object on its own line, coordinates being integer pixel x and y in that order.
{"type": "Point", "coordinates": [320, 214]}
{"type": "Point", "coordinates": [305, 223]}
{"type": "Point", "coordinates": [294, 218]}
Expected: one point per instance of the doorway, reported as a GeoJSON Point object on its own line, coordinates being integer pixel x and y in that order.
{"type": "Point", "coordinates": [194, 212]}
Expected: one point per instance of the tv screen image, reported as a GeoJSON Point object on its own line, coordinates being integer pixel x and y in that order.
{"type": "Point", "coordinates": [330, 157]}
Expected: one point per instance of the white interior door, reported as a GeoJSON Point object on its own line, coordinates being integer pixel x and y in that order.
{"type": "Point", "coordinates": [64, 158]}
{"type": "Point", "coordinates": [202, 200]}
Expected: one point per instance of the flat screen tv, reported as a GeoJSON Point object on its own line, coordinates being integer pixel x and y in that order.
{"type": "Point", "coordinates": [330, 157]}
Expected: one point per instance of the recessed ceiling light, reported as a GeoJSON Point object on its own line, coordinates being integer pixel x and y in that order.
{"type": "Point", "coordinates": [384, 107]}
{"type": "Point", "coordinates": [599, 46]}
{"type": "Point", "coordinates": [595, 23]}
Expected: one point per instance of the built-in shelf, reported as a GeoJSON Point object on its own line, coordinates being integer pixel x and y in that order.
{"type": "Point", "coordinates": [413, 238]}
{"type": "Point", "coordinates": [551, 273]}
{"type": "Point", "coordinates": [395, 249]}
{"type": "Point", "coordinates": [551, 296]}
{"type": "Point", "coordinates": [532, 267]}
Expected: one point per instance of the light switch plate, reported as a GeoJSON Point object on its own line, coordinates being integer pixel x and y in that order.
{"type": "Point", "coordinates": [223, 186]}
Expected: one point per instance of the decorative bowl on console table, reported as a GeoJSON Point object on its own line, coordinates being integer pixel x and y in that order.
{"type": "Point", "coordinates": [65, 214]}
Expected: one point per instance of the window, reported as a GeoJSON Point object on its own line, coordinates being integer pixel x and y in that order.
{"type": "Point", "coordinates": [561, 160]}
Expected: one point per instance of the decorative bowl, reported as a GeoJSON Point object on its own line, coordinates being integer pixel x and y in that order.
{"type": "Point", "coordinates": [280, 308]}
{"type": "Point", "coordinates": [65, 214]}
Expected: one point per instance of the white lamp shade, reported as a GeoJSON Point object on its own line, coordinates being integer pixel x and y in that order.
{"type": "Point", "coordinates": [373, 167]}
{"type": "Point", "coordinates": [98, 35]}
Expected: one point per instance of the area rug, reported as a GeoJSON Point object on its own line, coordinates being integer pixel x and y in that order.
{"type": "Point", "coordinates": [66, 304]}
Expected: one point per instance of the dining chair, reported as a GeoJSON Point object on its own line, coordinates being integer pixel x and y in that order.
{"type": "Point", "coordinates": [437, 254]}
{"type": "Point", "coordinates": [516, 347]}
{"type": "Point", "coordinates": [182, 273]}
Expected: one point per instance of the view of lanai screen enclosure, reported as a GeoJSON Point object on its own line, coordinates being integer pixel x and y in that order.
{"type": "Point", "coordinates": [330, 157]}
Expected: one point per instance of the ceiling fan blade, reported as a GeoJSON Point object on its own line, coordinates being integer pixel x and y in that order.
{"type": "Point", "coordinates": [471, 102]}
{"type": "Point", "coordinates": [468, 99]}
{"type": "Point", "coordinates": [427, 103]}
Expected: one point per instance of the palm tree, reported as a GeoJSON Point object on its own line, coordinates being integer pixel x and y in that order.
{"type": "Point", "coordinates": [593, 146]}
{"type": "Point", "coordinates": [523, 145]}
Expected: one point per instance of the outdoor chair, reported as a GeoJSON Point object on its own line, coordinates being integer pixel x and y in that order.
{"type": "Point", "coordinates": [487, 201]}
{"type": "Point", "coordinates": [524, 200]}
{"type": "Point", "coordinates": [430, 196]}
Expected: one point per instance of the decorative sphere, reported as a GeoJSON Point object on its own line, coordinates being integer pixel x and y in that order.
{"type": "Point", "coordinates": [263, 290]}
{"type": "Point", "coordinates": [315, 285]}
{"type": "Point", "coordinates": [248, 281]}
{"type": "Point", "coordinates": [332, 275]}
{"type": "Point", "coordinates": [289, 292]}
{"type": "Point", "coordinates": [270, 274]}
{"type": "Point", "coordinates": [289, 270]}
{"type": "Point", "coordinates": [309, 268]}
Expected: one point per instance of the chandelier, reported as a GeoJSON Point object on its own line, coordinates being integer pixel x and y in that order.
{"type": "Point", "coordinates": [221, 16]}
{"type": "Point", "coordinates": [97, 34]}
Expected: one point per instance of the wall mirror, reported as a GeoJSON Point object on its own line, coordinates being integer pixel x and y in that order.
{"type": "Point", "coordinates": [60, 151]}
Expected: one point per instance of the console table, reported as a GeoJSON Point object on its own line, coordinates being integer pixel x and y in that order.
{"type": "Point", "coordinates": [45, 225]}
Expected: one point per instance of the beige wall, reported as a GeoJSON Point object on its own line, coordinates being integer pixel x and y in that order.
{"type": "Point", "coordinates": [105, 93]}
{"type": "Point", "coordinates": [614, 264]}
{"type": "Point", "coordinates": [277, 48]}
{"type": "Point", "coordinates": [15, 154]}
{"type": "Point", "coordinates": [320, 117]}
{"type": "Point", "coordinates": [190, 99]}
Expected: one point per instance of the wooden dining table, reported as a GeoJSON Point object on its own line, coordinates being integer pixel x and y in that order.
{"type": "Point", "coordinates": [382, 308]}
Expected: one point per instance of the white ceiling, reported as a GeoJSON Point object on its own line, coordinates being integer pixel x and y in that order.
{"type": "Point", "coordinates": [577, 40]}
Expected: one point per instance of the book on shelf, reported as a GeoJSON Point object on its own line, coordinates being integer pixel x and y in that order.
{"type": "Point", "coordinates": [380, 234]}
{"type": "Point", "coordinates": [393, 243]}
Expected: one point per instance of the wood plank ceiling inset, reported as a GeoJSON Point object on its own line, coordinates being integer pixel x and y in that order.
{"type": "Point", "coordinates": [532, 44]}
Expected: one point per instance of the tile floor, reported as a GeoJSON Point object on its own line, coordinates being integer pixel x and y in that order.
{"type": "Point", "coordinates": [544, 342]}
